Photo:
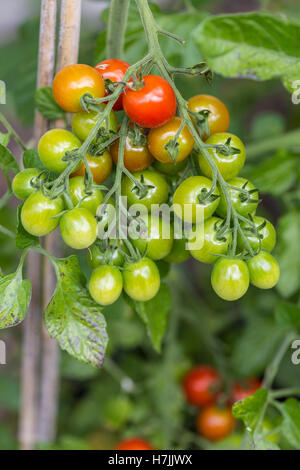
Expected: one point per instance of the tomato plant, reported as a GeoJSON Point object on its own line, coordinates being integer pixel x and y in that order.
{"type": "Point", "coordinates": [100, 167]}
{"type": "Point", "coordinates": [153, 189]}
{"type": "Point", "coordinates": [264, 270]}
{"type": "Point", "coordinates": [230, 278]}
{"type": "Point", "coordinates": [83, 123]}
{"type": "Point", "coordinates": [38, 214]}
{"type": "Point", "coordinates": [136, 154]}
{"type": "Point", "coordinates": [141, 279]}
{"type": "Point", "coordinates": [78, 228]}
{"type": "Point", "coordinates": [210, 108]}
{"type": "Point", "coordinates": [53, 146]}
{"type": "Point", "coordinates": [21, 184]}
{"type": "Point", "coordinates": [113, 70]}
{"type": "Point", "coordinates": [88, 200]}
{"type": "Point", "coordinates": [215, 423]}
{"type": "Point", "coordinates": [201, 385]}
{"type": "Point", "coordinates": [106, 284]}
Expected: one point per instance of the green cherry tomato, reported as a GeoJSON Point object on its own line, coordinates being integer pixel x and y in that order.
{"type": "Point", "coordinates": [78, 228]}
{"type": "Point", "coordinates": [213, 245]}
{"type": "Point", "coordinates": [83, 123]}
{"type": "Point", "coordinates": [106, 214]}
{"type": "Point", "coordinates": [190, 195]}
{"type": "Point", "coordinates": [98, 256]}
{"type": "Point", "coordinates": [266, 238]}
{"type": "Point", "coordinates": [106, 284]}
{"type": "Point", "coordinates": [141, 279]}
{"type": "Point", "coordinates": [37, 214]}
{"type": "Point", "coordinates": [170, 169]}
{"type": "Point", "coordinates": [179, 253]}
{"type": "Point", "coordinates": [230, 278]}
{"type": "Point", "coordinates": [264, 270]}
{"type": "Point", "coordinates": [244, 202]}
{"type": "Point", "coordinates": [52, 147]}
{"type": "Point", "coordinates": [155, 236]}
{"type": "Point", "coordinates": [229, 162]}
{"type": "Point", "coordinates": [21, 184]}
{"type": "Point", "coordinates": [157, 189]}
{"type": "Point", "coordinates": [77, 192]}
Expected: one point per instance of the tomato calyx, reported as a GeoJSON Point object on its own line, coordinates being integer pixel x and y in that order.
{"type": "Point", "coordinates": [140, 188]}
{"type": "Point", "coordinates": [136, 135]}
{"type": "Point", "coordinates": [201, 121]}
{"type": "Point", "coordinates": [206, 197]}
{"type": "Point", "coordinates": [226, 149]}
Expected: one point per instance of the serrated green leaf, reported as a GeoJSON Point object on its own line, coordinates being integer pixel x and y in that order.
{"type": "Point", "coordinates": [255, 45]}
{"type": "Point", "coordinates": [73, 318]}
{"type": "Point", "coordinates": [47, 105]}
{"type": "Point", "coordinates": [287, 315]}
{"type": "Point", "coordinates": [23, 239]}
{"type": "Point", "coordinates": [4, 138]}
{"type": "Point", "coordinates": [31, 159]}
{"type": "Point", "coordinates": [291, 421]}
{"type": "Point", "coordinates": [249, 409]}
{"type": "Point", "coordinates": [7, 160]}
{"type": "Point", "coordinates": [154, 314]}
{"type": "Point", "coordinates": [15, 294]}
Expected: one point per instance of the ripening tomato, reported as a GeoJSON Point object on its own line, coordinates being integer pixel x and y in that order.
{"type": "Point", "coordinates": [106, 284]}
{"type": "Point", "coordinates": [21, 184]}
{"type": "Point", "coordinates": [78, 193]}
{"type": "Point", "coordinates": [189, 199]}
{"type": "Point", "coordinates": [218, 116]}
{"type": "Point", "coordinates": [72, 82]}
{"type": "Point", "coordinates": [100, 167]}
{"type": "Point", "coordinates": [215, 423]}
{"type": "Point", "coordinates": [170, 169]}
{"type": "Point", "coordinates": [264, 270]}
{"type": "Point", "coordinates": [52, 147]}
{"type": "Point", "coordinates": [134, 443]}
{"type": "Point", "coordinates": [213, 244]}
{"type": "Point", "coordinates": [230, 278]}
{"type": "Point", "coordinates": [113, 70]}
{"type": "Point", "coordinates": [160, 137]}
{"type": "Point", "coordinates": [265, 238]}
{"type": "Point", "coordinates": [230, 160]}
{"type": "Point", "coordinates": [38, 214]}
{"type": "Point", "coordinates": [201, 385]}
{"type": "Point", "coordinates": [244, 202]}
{"type": "Point", "coordinates": [136, 157]}
{"type": "Point", "coordinates": [179, 252]}
{"type": "Point", "coordinates": [141, 279]}
{"type": "Point", "coordinates": [244, 389]}
{"type": "Point", "coordinates": [83, 123]}
{"type": "Point", "coordinates": [153, 104]}
{"type": "Point", "coordinates": [157, 189]}
{"type": "Point", "coordinates": [78, 228]}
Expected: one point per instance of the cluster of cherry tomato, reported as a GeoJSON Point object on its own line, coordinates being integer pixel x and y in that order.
{"type": "Point", "coordinates": [154, 131]}
{"type": "Point", "coordinates": [203, 387]}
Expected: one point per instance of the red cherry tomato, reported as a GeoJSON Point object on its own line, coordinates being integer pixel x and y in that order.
{"type": "Point", "coordinates": [241, 390]}
{"type": "Point", "coordinates": [215, 423]}
{"type": "Point", "coordinates": [113, 70]}
{"type": "Point", "coordinates": [153, 104]}
{"type": "Point", "coordinates": [134, 444]}
{"type": "Point", "coordinates": [201, 385]}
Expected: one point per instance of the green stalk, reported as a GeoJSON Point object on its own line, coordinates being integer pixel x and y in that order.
{"type": "Point", "coordinates": [9, 128]}
{"type": "Point", "coordinates": [117, 22]}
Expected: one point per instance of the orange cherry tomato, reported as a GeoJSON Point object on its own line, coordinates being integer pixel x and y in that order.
{"type": "Point", "coordinates": [241, 390]}
{"type": "Point", "coordinates": [158, 139]}
{"type": "Point", "coordinates": [201, 385]}
{"type": "Point", "coordinates": [215, 423]}
{"type": "Point", "coordinates": [134, 444]}
{"type": "Point", "coordinates": [72, 82]}
{"type": "Point", "coordinates": [136, 157]}
{"type": "Point", "coordinates": [100, 167]}
{"type": "Point", "coordinates": [113, 70]}
{"type": "Point", "coordinates": [218, 118]}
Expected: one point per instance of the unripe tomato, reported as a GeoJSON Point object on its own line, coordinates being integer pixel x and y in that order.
{"type": "Point", "coordinates": [83, 123]}
{"type": "Point", "coordinates": [160, 137]}
{"type": "Point", "coordinates": [188, 198]}
{"type": "Point", "coordinates": [243, 203]}
{"type": "Point", "coordinates": [113, 70]}
{"type": "Point", "coordinates": [155, 236]}
{"type": "Point", "coordinates": [178, 253]}
{"type": "Point", "coordinates": [201, 385]}
{"type": "Point", "coordinates": [106, 284]}
{"type": "Point", "coordinates": [134, 443]}
{"type": "Point", "coordinates": [213, 244]}
{"type": "Point", "coordinates": [141, 279]}
{"type": "Point", "coordinates": [37, 214]}
{"type": "Point", "coordinates": [266, 234]}
{"type": "Point", "coordinates": [264, 270]}
{"type": "Point", "coordinates": [229, 165]}
{"type": "Point", "coordinates": [21, 184]}
{"type": "Point", "coordinates": [157, 191]}
{"type": "Point", "coordinates": [72, 82]}
{"type": "Point", "coordinates": [171, 169]}
{"type": "Point", "coordinates": [78, 228]}
{"type": "Point", "coordinates": [52, 147]}
{"type": "Point", "coordinates": [100, 167]}
{"type": "Point", "coordinates": [136, 157]}
{"type": "Point", "coordinates": [218, 117]}
{"type": "Point", "coordinates": [153, 104]}
{"type": "Point", "coordinates": [230, 278]}
{"type": "Point", "coordinates": [215, 423]}
{"type": "Point", "coordinates": [98, 256]}
{"type": "Point", "coordinates": [77, 192]}
{"type": "Point", "coordinates": [241, 390]}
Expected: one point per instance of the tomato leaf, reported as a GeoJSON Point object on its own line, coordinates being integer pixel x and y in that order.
{"type": "Point", "coordinates": [287, 315]}
{"type": "Point", "coordinates": [154, 314]}
{"type": "Point", "coordinates": [291, 421]}
{"type": "Point", "coordinates": [4, 138]}
{"type": "Point", "coordinates": [31, 159]}
{"type": "Point", "coordinates": [47, 105]}
{"type": "Point", "coordinates": [7, 160]}
{"type": "Point", "coordinates": [15, 294]}
{"type": "Point", "coordinates": [250, 408]}
{"type": "Point", "coordinates": [73, 318]}
{"type": "Point", "coordinates": [23, 239]}
{"type": "Point", "coordinates": [259, 46]}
